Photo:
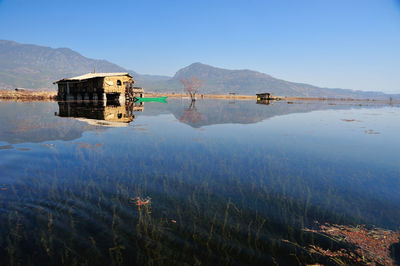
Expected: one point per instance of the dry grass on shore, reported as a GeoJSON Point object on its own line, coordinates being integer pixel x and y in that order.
{"type": "Point", "coordinates": [27, 95]}
{"type": "Point", "coordinates": [14, 95]}
{"type": "Point", "coordinates": [203, 96]}
{"type": "Point", "coordinates": [254, 98]}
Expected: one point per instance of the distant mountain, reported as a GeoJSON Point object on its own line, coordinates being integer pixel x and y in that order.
{"type": "Point", "coordinates": [223, 81]}
{"type": "Point", "coordinates": [34, 67]}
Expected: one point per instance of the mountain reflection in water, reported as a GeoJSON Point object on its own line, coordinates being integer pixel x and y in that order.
{"type": "Point", "coordinates": [210, 182]}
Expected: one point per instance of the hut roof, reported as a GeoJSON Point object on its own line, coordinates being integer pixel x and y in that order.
{"type": "Point", "coordinates": [93, 75]}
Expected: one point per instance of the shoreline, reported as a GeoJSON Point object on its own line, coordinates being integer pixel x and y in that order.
{"type": "Point", "coordinates": [13, 95]}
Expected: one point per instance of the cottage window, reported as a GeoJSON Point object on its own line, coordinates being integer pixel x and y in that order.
{"type": "Point", "coordinates": [119, 83]}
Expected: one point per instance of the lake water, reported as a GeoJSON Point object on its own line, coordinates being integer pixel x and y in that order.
{"type": "Point", "coordinates": [215, 182]}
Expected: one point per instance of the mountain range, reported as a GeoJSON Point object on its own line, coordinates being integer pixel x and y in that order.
{"type": "Point", "coordinates": [36, 67]}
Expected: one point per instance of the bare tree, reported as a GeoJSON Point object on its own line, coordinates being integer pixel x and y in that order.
{"type": "Point", "coordinates": [191, 86]}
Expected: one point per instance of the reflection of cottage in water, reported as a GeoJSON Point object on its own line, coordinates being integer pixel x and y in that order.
{"type": "Point", "coordinates": [99, 86]}
{"type": "Point", "coordinates": [100, 114]}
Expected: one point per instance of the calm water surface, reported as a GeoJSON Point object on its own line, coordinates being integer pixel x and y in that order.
{"type": "Point", "coordinates": [221, 181]}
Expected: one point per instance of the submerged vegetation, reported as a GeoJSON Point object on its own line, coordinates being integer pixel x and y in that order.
{"type": "Point", "coordinates": [100, 221]}
{"type": "Point", "coordinates": [368, 245]}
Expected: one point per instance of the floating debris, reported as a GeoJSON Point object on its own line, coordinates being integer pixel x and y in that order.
{"type": "Point", "coordinates": [351, 120]}
{"type": "Point", "coordinates": [141, 201]}
{"type": "Point", "coordinates": [6, 147]}
{"type": "Point", "coordinates": [24, 149]}
{"type": "Point", "coordinates": [84, 145]}
{"type": "Point", "coordinates": [371, 131]}
{"type": "Point", "coordinates": [47, 145]}
{"type": "Point", "coordinates": [140, 128]}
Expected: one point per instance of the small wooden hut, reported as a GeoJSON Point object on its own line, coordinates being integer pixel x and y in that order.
{"type": "Point", "coordinates": [263, 96]}
{"type": "Point", "coordinates": [99, 86]}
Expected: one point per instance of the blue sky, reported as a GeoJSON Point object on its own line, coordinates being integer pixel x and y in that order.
{"type": "Point", "coordinates": [353, 44]}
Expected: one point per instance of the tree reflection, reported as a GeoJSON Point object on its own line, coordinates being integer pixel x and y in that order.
{"type": "Point", "coordinates": [191, 115]}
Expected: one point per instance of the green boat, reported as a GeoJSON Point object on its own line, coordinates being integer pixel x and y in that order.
{"type": "Point", "coordinates": [155, 99]}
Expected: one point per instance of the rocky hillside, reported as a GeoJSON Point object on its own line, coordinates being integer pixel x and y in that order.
{"type": "Point", "coordinates": [32, 66]}
{"type": "Point", "coordinates": [223, 81]}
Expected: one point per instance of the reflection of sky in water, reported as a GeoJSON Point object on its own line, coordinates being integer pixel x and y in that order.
{"type": "Point", "coordinates": [322, 158]}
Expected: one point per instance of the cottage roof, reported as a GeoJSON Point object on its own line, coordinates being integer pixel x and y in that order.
{"type": "Point", "coordinates": [94, 75]}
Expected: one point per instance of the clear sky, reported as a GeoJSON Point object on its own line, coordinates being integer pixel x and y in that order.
{"type": "Point", "coordinates": [353, 44]}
